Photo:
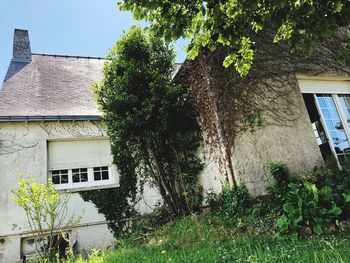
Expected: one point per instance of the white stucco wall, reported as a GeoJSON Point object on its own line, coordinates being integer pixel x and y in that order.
{"type": "Point", "coordinates": [288, 139]}
{"type": "Point", "coordinates": [23, 149]}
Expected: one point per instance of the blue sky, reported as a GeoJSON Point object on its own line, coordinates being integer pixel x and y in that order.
{"type": "Point", "coordinates": [72, 27]}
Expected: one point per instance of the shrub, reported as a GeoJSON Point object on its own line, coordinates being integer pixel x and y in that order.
{"type": "Point", "coordinates": [278, 189]}
{"type": "Point", "coordinates": [309, 206]}
{"type": "Point", "coordinates": [46, 212]}
{"type": "Point", "coordinates": [152, 125]}
{"type": "Point", "coordinates": [232, 202]}
{"type": "Point", "coordinates": [339, 182]}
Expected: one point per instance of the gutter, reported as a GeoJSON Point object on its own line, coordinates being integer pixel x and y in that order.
{"type": "Point", "coordinates": [50, 118]}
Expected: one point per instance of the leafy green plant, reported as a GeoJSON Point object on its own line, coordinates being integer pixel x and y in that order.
{"type": "Point", "coordinates": [46, 212]}
{"type": "Point", "coordinates": [233, 24]}
{"type": "Point", "coordinates": [232, 202]}
{"type": "Point", "coordinates": [281, 179]}
{"type": "Point", "coordinates": [306, 205]}
{"type": "Point", "coordinates": [339, 181]}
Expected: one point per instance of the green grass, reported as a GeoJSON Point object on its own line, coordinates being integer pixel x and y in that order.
{"type": "Point", "coordinates": [205, 239]}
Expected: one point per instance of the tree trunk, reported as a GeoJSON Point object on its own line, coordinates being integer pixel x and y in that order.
{"type": "Point", "coordinates": [170, 196]}
{"type": "Point", "coordinates": [225, 152]}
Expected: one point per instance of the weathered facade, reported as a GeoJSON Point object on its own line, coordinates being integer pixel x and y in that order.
{"type": "Point", "coordinates": [50, 127]}
{"type": "Point", "coordinates": [290, 108]}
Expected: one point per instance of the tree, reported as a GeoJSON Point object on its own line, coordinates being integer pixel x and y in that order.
{"type": "Point", "coordinates": [300, 23]}
{"type": "Point", "coordinates": [150, 120]}
{"type": "Point", "coordinates": [46, 212]}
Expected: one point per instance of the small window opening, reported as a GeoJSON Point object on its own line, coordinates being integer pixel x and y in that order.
{"type": "Point", "coordinates": [317, 126]}
{"type": "Point", "coordinates": [80, 175]}
{"type": "Point", "coordinates": [101, 173]}
{"type": "Point", "coordinates": [59, 176]}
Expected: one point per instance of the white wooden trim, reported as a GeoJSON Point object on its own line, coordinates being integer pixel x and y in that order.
{"type": "Point", "coordinates": [342, 116]}
{"type": "Point", "coordinates": [91, 183]}
{"type": "Point", "coordinates": [322, 77]}
{"type": "Point", "coordinates": [324, 86]}
{"type": "Point", "coordinates": [330, 141]}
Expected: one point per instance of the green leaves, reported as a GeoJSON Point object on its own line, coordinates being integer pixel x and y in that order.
{"type": "Point", "coordinates": [300, 24]}
{"type": "Point", "coordinates": [46, 213]}
{"type": "Point", "coordinates": [151, 123]}
{"type": "Point", "coordinates": [338, 6]}
{"type": "Point", "coordinates": [346, 198]}
{"type": "Point", "coordinates": [306, 205]}
{"type": "Point", "coordinates": [229, 60]}
{"type": "Point", "coordinates": [284, 32]}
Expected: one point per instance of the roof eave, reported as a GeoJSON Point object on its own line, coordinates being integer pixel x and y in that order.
{"type": "Point", "coordinates": [50, 118]}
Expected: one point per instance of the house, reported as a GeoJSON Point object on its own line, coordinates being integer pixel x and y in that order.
{"type": "Point", "coordinates": [290, 108]}
{"type": "Point", "coordinates": [50, 127]}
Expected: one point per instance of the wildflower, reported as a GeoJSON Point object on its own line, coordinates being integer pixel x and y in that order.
{"type": "Point", "coordinates": [163, 251]}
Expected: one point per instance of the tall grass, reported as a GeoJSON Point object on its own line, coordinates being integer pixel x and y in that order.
{"type": "Point", "coordinates": [204, 239]}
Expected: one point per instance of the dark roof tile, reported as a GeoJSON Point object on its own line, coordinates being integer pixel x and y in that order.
{"type": "Point", "coordinates": [51, 86]}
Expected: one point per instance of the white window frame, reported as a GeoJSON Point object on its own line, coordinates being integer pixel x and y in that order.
{"type": "Point", "coordinates": [91, 183]}
{"type": "Point", "coordinates": [329, 87]}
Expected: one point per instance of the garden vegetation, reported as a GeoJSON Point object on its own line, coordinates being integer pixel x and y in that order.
{"type": "Point", "coordinates": [303, 219]}
{"type": "Point", "coordinates": [153, 129]}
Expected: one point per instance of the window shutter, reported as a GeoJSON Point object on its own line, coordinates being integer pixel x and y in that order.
{"type": "Point", "coordinates": [72, 154]}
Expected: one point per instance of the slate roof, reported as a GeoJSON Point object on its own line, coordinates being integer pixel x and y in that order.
{"type": "Point", "coordinates": [50, 86]}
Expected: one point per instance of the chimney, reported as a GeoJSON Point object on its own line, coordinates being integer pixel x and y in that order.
{"type": "Point", "coordinates": [21, 46]}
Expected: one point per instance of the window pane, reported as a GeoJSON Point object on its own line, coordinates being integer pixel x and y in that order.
{"type": "Point", "coordinates": [76, 178]}
{"type": "Point", "coordinates": [333, 123]}
{"type": "Point", "coordinates": [55, 179]}
{"type": "Point", "coordinates": [97, 176]}
{"type": "Point", "coordinates": [345, 104]}
{"type": "Point", "coordinates": [105, 175]}
{"type": "Point", "coordinates": [322, 102]}
{"type": "Point", "coordinates": [84, 177]}
{"type": "Point", "coordinates": [101, 173]}
{"type": "Point", "coordinates": [326, 114]}
{"type": "Point", "coordinates": [64, 179]}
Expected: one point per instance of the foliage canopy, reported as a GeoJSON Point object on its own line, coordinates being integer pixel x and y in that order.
{"type": "Point", "coordinates": [151, 123]}
{"type": "Point", "coordinates": [301, 23]}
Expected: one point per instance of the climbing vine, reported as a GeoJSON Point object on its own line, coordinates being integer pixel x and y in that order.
{"type": "Point", "coordinates": [229, 105]}
{"type": "Point", "coordinates": [152, 126]}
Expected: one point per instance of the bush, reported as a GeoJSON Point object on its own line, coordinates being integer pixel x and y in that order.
{"type": "Point", "coordinates": [307, 206]}
{"type": "Point", "coordinates": [282, 178]}
{"type": "Point", "coordinates": [339, 182]}
{"type": "Point", "coordinates": [46, 212]}
{"type": "Point", "coordinates": [232, 202]}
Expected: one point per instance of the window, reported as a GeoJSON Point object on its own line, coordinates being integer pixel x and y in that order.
{"type": "Point", "coordinates": [31, 243]}
{"type": "Point", "coordinates": [81, 164]}
{"type": "Point", "coordinates": [59, 176]}
{"type": "Point", "coordinates": [80, 175]}
{"type": "Point", "coordinates": [101, 173]}
{"type": "Point", "coordinates": [328, 105]}
{"type": "Point", "coordinates": [336, 124]}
